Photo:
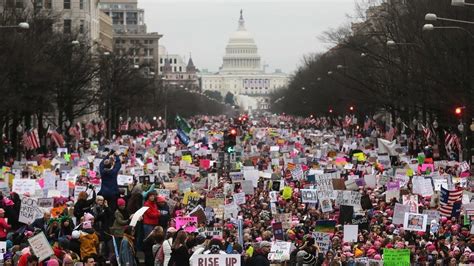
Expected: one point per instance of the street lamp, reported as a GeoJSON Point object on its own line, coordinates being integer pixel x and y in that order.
{"type": "Point", "coordinates": [329, 72]}
{"type": "Point", "coordinates": [363, 55]}
{"type": "Point", "coordinates": [392, 43]}
{"type": "Point", "coordinates": [75, 42]}
{"type": "Point", "coordinates": [21, 25]}
{"type": "Point", "coordinates": [431, 27]}
{"type": "Point", "coordinates": [460, 3]}
{"type": "Point", "coordinates": [434, 17]}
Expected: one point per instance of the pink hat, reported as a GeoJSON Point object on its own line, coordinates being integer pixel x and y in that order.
{"type": "Point", "coordinates": [377, 257]}
{"type": "Point", "coordinates": [53, 262]}
{"type": "Point", "coordinates": [88, 216]}
{"type": "Point", "coordinates": [121, 202]}
{"type": "Point", "coordinates": [161, 199]}
{"type": "Point", "coordinates": [430, 248]}
{"type": "Point", "coordinates": [371, 252]}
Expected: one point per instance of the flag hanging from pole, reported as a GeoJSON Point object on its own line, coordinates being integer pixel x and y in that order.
{"type": "Point", "coordinates": [182, 124]}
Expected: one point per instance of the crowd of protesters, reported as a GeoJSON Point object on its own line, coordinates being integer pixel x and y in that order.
{"type": "Point", "coordinates": [96, 226]}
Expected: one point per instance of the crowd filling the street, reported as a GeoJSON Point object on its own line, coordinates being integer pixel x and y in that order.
{"type": "Point", "coordinates": [245, 190]}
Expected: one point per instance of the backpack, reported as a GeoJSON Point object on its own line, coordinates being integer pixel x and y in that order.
{"type": "Point", "coordinates": [160, 255]}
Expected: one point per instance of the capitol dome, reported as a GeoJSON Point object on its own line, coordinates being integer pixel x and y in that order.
{"type": "Point", "coordinates": [241, 52]}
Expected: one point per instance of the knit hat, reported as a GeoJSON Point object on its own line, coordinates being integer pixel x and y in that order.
{"type": "Point", "coordinates": [53, 262]}
{"type": "Point", "coordinates": [88, 216]}
{"type": "Point", "coordinates": [161, 199]}
{"type": "Point", "coordinates": [121, 202]}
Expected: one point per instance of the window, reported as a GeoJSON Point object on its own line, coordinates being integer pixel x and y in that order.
{"type": "Point", "coordinates": [174, 69]}
{"type": "Point", "coordinates": [81, 26]}
{"type": "Point", "coordinates": [175, 60]}
{"type": "Point", "coordinates": [19, 4]}
{"type": "Point", "coordinates": [38, 4]}
{"type": "Point", "coordinates": [118, 41]}
{"type": "Point", "coordinates": [117, 18]}
{"type": "Point", "coordinates": [10, 3]}
{"type": "Point", "coordinates": [67, 26]}
{"type": "Point", "coordinates": [81, 4]}
{"type": "Point", "coordinates": [161, 60]}
{"type": "Point", "coordinates": [150, 41]}
{"type": "Point", "coordinates": [161, 69]}
{"type": "Point", "coordinates": [132, 18]}
{"type": "Point", "coordinates": [48, 4]}
{"type": "Point", "coordinates": [180, 69]}
{"type": "Point", "coordinates": [67, 4]}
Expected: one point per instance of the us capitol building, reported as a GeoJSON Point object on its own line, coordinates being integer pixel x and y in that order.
{"type": "Point", "coordinates": [241, 73]}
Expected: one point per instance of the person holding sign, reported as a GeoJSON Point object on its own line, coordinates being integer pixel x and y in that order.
{"type": "Point", "coordinates": [109, 169]}
{"type": "Point", "coordinates": [4, 226]}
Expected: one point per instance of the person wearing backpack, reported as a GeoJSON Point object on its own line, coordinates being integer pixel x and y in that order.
{"type": "Point", "coordinates": [163, 255]}
{"type": "Point", "coordinates": [179, 255]}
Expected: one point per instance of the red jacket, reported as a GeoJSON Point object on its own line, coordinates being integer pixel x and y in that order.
{"type": "Point", "coordinates": [4, 227]}
{"type": "Point", "coordinates": [152, 214]}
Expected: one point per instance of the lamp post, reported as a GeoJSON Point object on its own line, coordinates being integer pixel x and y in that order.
{"type": "Point", "coordinates": [434, 17]}
{"type": "Point", "coordinates": [21, 25]}
{"type": "Point", "coordinates": [19, 130]}
{"type": "Point", "coordinates": [431, 27]}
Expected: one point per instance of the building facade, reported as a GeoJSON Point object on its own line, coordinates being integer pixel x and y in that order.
{"type": "Point", "coordinates": [106, 33]}
{"type": "Point", "coordinates": [74, 16]}
{"type": "Point", "coordinates": [241, 73]}
{"type": "Point", "coordinates": [130, 34]}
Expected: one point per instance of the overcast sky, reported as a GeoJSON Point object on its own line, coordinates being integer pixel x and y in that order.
{"type": "Point", "coordinates": [284, 30]}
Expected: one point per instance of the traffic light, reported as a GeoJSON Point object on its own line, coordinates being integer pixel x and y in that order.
{"type": "Point", "coordinates": [230, 140]}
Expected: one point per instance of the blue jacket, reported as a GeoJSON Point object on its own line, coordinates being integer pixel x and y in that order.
{"type": "Point", "coordinates": [109, 186]}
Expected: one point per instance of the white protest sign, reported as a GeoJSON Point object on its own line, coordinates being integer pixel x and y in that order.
{"type": "Point", "coordinates": [323, 185]}
{"type": "Point", "coordinates": [164, 192]}
{"type": "Point", "coordinates": [350, 232]}
{"type": "Point", "coordinates": [29, 210]}
{"type": "Point", "coordinates": [326, 205]}
{"type": "Point", "coordinates": [45, 202]}
{"type": "Point", "coordinates": [40, 246]}
{"type": "Point", "coordinates": [309, 196]}
{"type": "Point", "coordinates": [280, 251]}
{"type": "Point", "coordinates": [231, 211]}
{"type": "Point", "coordinates": [63, 188]}
{"type": "Point", "coordinates": [239, 198]}
{"type": "Point", "coordinates": [212, 180]}
{"type": "Point", "coordinates": [137, 215]}
{"type": "Point", "coordinates": [192, 170]}
{"type": "Point", "coordinates": [252, 175]}
{"type": "Point", "coordinates": [323, 240]}
{"type": "Point", "coordinates": [247, 187]}
{"type": "Point", "coordinates": [399, 213]}
{"type": "Point", "coordinates": [24, 186]}
{"type": "Point", "coordinates": [49, 180]}
{"type": "Point", "coordinates": [422, 186]}
{"type": "Point", "coordinates": [415, 222]}
{"type": "Point", "coordinates": [412, 201]}
{"type": "Point", "coordinates": [123, 180]}
{"type": "Point", "coordinates": [217, 260]}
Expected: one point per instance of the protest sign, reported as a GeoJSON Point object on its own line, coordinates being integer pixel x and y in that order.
{"type": "Point", "coordinates": [123, 180]}
{"type": "Point", "coordinates": [211, 231]}
{"type": "Point", "coordinates": [422, 186]}
{"type": "Point", "coordinates": [412, 201]}
{"type": "Point", "coordinates": [231, 211]}
{"type": "Point", "coordinates": [137, 215]}
{"type": "Point", "coordinates": [212, 180]}
{"type": "Point", "coordinates": [323, 185]}
{"type": "Point", "coordinates": [247, 187]}
{"type": "Point", "coordinates": [432, 215]}
{"type": "Point", "coordinates": [278, 231]}
{"type": "Point", "coordinates": [239, 198]}
{"type": "Point", "coordinates": [346, 214]}
{"type": "Point", "coordinates": [323, 240]}
{"type": "Point", "coordinates": [29, 210]}
{"type": "Point", "coordinates": [24, 186]}
{"type": "Point", "coordinates": [40, 246]}
{"type": "Point", "coordinates": [163, 192]}
{"type": "Point", "coordinates": [217, 260]}
{"type": "Point", "coordinates": [326, 205]}
{"type": "Point", "coordinates": [252, 175]}
{"type": "Point", "coordinates": [45, 202]}
{"type": "Point", "coordinates": [236, 176]}
{"type": "Point", "coordinates": [189, 224]}
{"type": "Point", "coordinates": [396, 256]}
{"type": "Point", "coordinates": [350, 232]}
{"type": "Point", "coordinates": [309, 196]}
{"type": "Point", "coordinates": [399, 213]}
{"type": "Point", "coordinates": [325, 226]}
{"type": "Point", "coordinates": [280, 251]}
{"type": "Point", "coordinates": [415, 222]}
{"type": "Point", "coordinates": [63, 188]}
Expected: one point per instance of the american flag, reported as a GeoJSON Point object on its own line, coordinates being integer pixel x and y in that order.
{"type": "Point", "coordinates": [347, 121]}
{"type": "Point", "coordinates": [390, 133]}
{"type": "Point", "coordinates": [31, 140]}
{"type": "Point", "coordinates": [427, 133]}
{"type": "Point", "coordinates": [451, 141]}
{"type": "Point", "coordinates": [57, 138]}
{"type": "Point", "coordinates": [450, 202]}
